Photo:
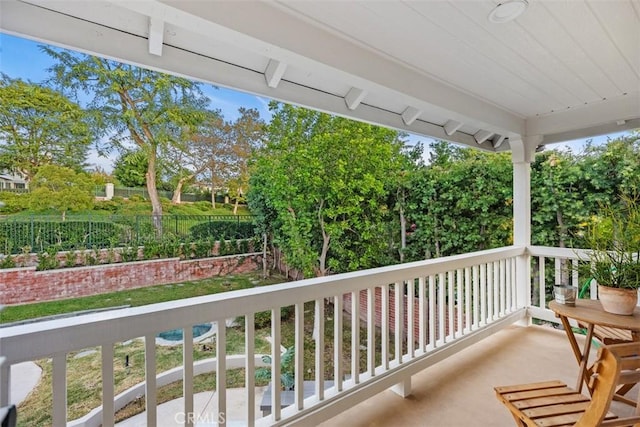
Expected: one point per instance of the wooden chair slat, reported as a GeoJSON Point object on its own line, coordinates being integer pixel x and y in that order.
{"type": "Point", "coordinates": [543, 392]}
{"type": "Point", "coordinates": [549, 400]}
{"type": "Point", "coordinates": [530, 386]}
{"type": "Point", "coordinates": [559, 409]}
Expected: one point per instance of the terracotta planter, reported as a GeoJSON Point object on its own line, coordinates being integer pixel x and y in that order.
{"type": "Point", "coordinates": [618, 301]}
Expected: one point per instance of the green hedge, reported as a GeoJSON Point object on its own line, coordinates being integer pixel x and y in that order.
{"type": "Point", "coordinates": [222, 230]}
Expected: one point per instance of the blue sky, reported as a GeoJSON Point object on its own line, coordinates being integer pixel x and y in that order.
{"type": "Point", "coordinates": [22, 58]}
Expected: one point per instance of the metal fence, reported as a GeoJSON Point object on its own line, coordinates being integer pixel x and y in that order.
{"type": "Point", "coordinates": [22, 234]}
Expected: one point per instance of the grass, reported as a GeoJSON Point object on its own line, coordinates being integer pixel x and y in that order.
{"type": "Point", "coordinates": [136, 297]}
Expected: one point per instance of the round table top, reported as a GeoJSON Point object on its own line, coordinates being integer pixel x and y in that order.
{"type": "Point", "coordinates": [590, 311]}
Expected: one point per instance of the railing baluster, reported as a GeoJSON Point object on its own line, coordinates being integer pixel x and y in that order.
{"type": "Point", "coordinates": [442, 321]}
{"type": "Point", "coordinates": [337, 342]}
{"type": "Point", "coordinates": [502, 287]}
{"type": "Point", "coordinates": [459, 302]}
{"type": "Point", "coordinates": [490, 286]}
{"type": "Point", "coordinates": [483, 294]}
{"type": "Point", "coordinates": [187, 373]}
{"type": "Point", "coordinates": [319, 309]}
{"type": "Point", "coordinates": [507, 272]}
{"type": "Point", "coordinates": [108, 413]}
{"type": "Point", "coordinates": [422, 314]}
{"type": "Point", "coordinates": [411, 333]}
{"type": "Point", "coordinates": [5, 380]}
{"type": "Point", "coordinates": [432, 312]}
{"type": "Point", "coordinates": [451, 317]}
{"type": "Point", "coordinates": [385, 326]}
{"type": "Point", "coordinates": [275, 364]}
{"type": "Point", "coordinates": [355, 337]}
{"type": "Point", "coordinates": [59, 386]}
{"type": "Point", "coordinates": [467, 299]}
{"type": "Point", "coordinates": [399, 320]}
{"type": "Point", "coordinates": [299, 356]}
{"type": "Point", "coordinates": [496, 288]}
{"type": "Point", "coordinates": [514, 287]}
{"type": "Point", "coordinates": [371, 331]}
{"type": "Point", "coordinates": [249, 367]}
{"type": "Point", "coordinates": [221, 371]}
{"type": "Point", "coordinates": [150, 379]}
{"type": "Point", "coordinates": [542, 286]}
{"type": "Point", "coordinates": [476, 296]}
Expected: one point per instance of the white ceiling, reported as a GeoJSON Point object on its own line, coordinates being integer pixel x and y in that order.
{"type": "Point", "coordinates": [563, 70]}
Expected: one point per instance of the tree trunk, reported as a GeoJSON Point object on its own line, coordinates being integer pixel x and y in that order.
{"type": "Point", "coordinates": [156, 206]}
{"type": "Point", "coordinates": [177, 193]}
{"type": "Point", "coordinates": [264, 256]}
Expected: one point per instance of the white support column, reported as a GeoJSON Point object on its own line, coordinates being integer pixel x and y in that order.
{"type": "Point", "coordinates": [522, 155]}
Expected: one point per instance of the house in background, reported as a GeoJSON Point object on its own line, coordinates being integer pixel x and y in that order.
{"type": "Point", "coordinates": [10, 180]}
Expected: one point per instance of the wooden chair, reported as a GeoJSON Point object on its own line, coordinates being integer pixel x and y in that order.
{"type": "Point", "coordinates": [552, 403]}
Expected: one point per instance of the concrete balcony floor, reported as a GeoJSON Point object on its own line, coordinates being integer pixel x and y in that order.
{"type": "Point", "coordinates": [459, 390]}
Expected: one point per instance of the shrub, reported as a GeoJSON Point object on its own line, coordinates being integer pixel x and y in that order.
{"type": "Point", "coordinates": [218, 229]}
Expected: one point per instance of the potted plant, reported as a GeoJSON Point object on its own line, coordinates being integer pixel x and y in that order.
{"type": "Point", "coordinates": [614, 258]}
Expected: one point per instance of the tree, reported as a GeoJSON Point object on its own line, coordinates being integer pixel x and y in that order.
{"type": "Point", "coordinates": [246, 135]}
{"type": "Point", "coordinates": [461, 202]}
{"type": "Point", "coordinates": [61, 189]}
{"type": "Point", "coordinates": [318, 186]}
{"type": "Point", "coordinates": [130, 168]}
{"type": "Point", "coordinates": [39, 126]}
{"type": "Point", "coordinates": [196, 152]}
{"type": "Point", "coordinates": [133, 106]}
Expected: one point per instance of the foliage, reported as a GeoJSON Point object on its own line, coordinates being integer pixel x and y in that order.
{"type": "Point", "coordinates": [287, 377]}
{"type": "Point", "coordinates": [318, 188]}
{"type": "Point", "coordinates": [461, 202]}
{"type": "Point", "coordinates": [614, 239]}
{"type": "Point", "coordinates": [61, 189]}
{"type": "Point", "coordinates": [222, 230]}
{"type": "Point", "coordinates": [132, 105]}
{"type": "Point", "coordinates": [130, 168]}
{"type": "Point", "coordinates": [39, 126]}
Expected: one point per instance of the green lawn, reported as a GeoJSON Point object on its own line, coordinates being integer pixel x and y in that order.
{"type": "Point", "coordinates": [137, 297]}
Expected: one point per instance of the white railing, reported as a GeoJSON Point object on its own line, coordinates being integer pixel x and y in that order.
{"type": "Point", "coordinates": [402, 319]}
{"type": "Point", "coordinates": [556, 266]}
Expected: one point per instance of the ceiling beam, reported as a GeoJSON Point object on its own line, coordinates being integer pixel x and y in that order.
{"type": "Point", "coordinates": [452, 127]}
{"type": "Point", "coordinates": [156, 35]}
{"type": "Point", "coordinates": [354, 97]}
{"type": "Point", "coordinates": [274, 72]}
{"type": "Point", "coordinates": [482, 135]}
{"type": "Point", "coordinates": [410, 114]}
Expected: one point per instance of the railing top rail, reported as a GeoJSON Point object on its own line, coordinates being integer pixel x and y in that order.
{"type": "Point", "coordinates": [29, 342]}
{"type": "Point", "coordinates": [549, 251]}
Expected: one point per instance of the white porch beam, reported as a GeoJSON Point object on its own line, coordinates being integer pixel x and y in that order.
{"type": "Point", "coordinates": [590, 120]}
{"type": "Point", "coordinates": [62, 29]}
{"type": "Point", "coordinates": [156, 35]}
{"type": "Point", "coordinates": [482, 135]}
{"type": "Point", "coordinates": [354, 97]}
{"type": "Point", "coordinates": [410, 114]}
{"type": "Point", "coordinates": [452, 127]}
{"type": "Point", "coordinates": [274, 72]}
{"type": "Point", "coordinates": [497, 141]}
{"type": "Point", "coordinates": [329, 54]}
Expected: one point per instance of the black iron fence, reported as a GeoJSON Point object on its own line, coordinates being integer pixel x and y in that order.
{"type": "Point", "coordinates": [24, 234]}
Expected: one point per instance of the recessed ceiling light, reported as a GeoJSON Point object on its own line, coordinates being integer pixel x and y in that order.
{"type": "Point", "coordinates": [507, 11]}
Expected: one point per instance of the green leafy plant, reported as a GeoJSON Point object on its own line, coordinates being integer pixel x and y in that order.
{"type": "Point", "coordinates": [287, 376]}
{"type": "Point", "coordinates": [614, 240]}
{"type": "Point", "coordinates": [7, 261]}
{"type": "Point", "coordinates": [47, 259]}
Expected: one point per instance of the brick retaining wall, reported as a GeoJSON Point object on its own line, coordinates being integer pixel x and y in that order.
{"type": "Point", "coordinates": [24, 285]}
{"type": "Point", "coordinates": [392, 313]}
